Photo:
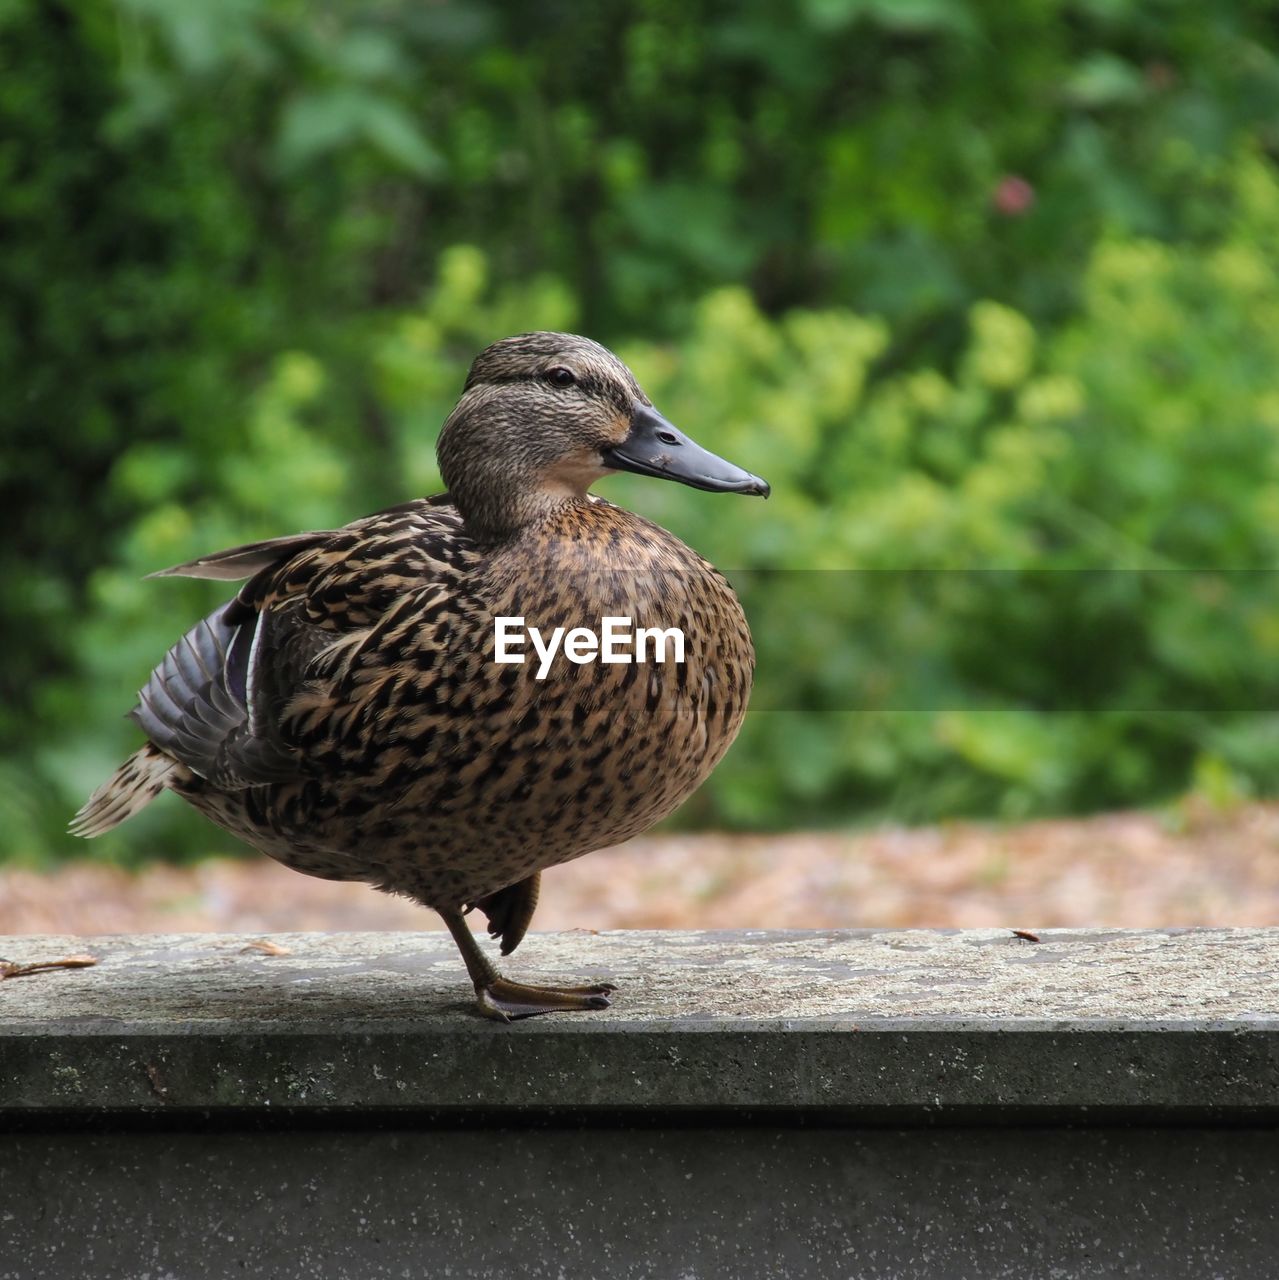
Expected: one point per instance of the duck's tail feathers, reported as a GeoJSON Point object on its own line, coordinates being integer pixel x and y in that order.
{"type": "Point", "coordinates": [129, 789]}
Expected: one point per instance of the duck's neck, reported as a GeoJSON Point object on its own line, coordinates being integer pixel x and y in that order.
{"type": "Point", "coordinates": [494, 514]}
{"type": "Point", "coordinates": [504, 474]}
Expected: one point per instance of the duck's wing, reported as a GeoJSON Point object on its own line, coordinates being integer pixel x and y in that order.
{"type": "Point", "coordinates": [216, 703]}
{"type": "Point", "coordinates": [237, 563]}
{"type": "Point", "coordinates": [202, 704]}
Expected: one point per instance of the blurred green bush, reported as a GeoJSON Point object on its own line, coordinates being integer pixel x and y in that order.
{"type": "Point", "coordinates": [976, 287]}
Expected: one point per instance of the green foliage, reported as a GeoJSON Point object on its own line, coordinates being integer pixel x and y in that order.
{"type": "Point", "coordinates": [1097, 507]}
{"type": "Point", "coordinates": [977, 287]}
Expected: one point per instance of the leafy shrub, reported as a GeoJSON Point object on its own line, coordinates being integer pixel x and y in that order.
{"type": "Point", "coordinates": [1037, 583]}
{"type": "Point", "coordinates": [977, 287]}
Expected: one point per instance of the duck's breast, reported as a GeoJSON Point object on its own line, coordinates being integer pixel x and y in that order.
{"type": "Point", "coordinates": [598, 750]}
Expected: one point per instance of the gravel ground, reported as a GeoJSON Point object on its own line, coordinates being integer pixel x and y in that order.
{"type": "Point", "coordinates": [1186, 867]}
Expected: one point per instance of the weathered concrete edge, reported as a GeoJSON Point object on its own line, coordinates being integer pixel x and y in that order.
{"type": "Point", "coordinates": [921, 1073]}
{"type": "Point", "coordinates": [468, 1023]}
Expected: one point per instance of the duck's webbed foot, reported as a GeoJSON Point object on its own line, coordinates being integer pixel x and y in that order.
{"type": "Point", "coordinates": [510, 910]}
{"type": "Point", "coordinates": [500, 998]}
{"type": "Point", "coordinates": [506, 1000]}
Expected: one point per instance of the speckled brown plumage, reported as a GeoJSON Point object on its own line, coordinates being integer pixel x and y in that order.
{"type": "Point", "coordinates": [345, 714]}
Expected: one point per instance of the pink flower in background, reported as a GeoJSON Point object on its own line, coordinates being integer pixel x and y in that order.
{"type": "Point", "coordinates": [1013, 196]}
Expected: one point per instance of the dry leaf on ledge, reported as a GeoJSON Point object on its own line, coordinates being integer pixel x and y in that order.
{"type": "Point", "coordinates": [266, 947]}
{"type": "Point", "coordinates": [15, 969]}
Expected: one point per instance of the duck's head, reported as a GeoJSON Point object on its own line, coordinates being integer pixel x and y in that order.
{"type": "Point", "coordinates": [545, 415]}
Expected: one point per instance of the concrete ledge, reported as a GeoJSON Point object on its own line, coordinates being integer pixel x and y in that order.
{"type": "Point", "coordinates": [898, 1027]}
{"type": "Point", "coordinates": [885, 1105]}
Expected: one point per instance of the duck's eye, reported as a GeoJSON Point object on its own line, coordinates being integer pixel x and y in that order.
{"type": "Point", "coordinates": [560, 376]}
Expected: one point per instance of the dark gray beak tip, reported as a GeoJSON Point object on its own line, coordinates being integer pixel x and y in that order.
{"type": "Point", "coordinates": [752, 487]}
{"type": "Point", "coordinates": [656, 447]}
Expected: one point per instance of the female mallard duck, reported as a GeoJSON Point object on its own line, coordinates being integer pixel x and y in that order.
{"type": "Point", "coordinates": [346, 712]}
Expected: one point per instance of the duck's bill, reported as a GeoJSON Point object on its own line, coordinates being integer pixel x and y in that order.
{"type": "Point", "coordinates": [656, 447]}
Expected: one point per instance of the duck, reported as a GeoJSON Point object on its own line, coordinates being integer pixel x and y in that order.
{"type": "Point", "coordinates": [359, 709]}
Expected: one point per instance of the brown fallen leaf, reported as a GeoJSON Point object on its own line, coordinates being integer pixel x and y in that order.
{"type": "Point", "coordinates": [266, 947]}
{"type": "Point", "coordinates": [1026, 933]}
{"type": "Point", "coordinates": [15, 969]}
